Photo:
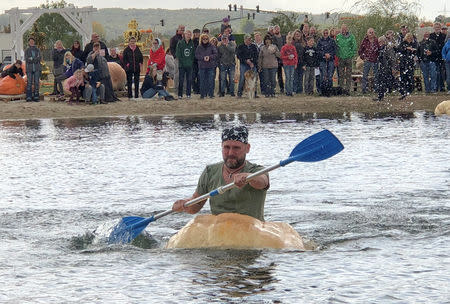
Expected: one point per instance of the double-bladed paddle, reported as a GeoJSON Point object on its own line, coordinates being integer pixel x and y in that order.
{"type": "Point", "coordinates": [317, 147]}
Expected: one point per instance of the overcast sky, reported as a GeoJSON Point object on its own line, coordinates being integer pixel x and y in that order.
{"type": "Point", "coordinates": [430, 8]}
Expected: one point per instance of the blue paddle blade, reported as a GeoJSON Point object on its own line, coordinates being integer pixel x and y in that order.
{"type": "Point", "coordinates": [128, 229]}
{"type": "Point", "coordinates": [317, 147]}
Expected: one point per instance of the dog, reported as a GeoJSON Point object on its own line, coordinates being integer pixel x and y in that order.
{"type": "Point", "coordinates": [250, 83]}
{"type": "Point", "coordinates": [329, 91]}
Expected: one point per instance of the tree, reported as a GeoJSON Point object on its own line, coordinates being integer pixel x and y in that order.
{"type": "Point", "coordinates": [55, 26]}
{"type": "Point", "coordinates": [382, 15]}
{"type": "Point", "coordinates": [99, 29]}
{"type": "Point", "coordinates": [287, 23]}
{"type": "Point", "coordinates": [247, 26]}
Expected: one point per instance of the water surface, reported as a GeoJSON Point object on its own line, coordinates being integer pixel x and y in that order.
{"type": "Point", "coordinates": [379, 211]}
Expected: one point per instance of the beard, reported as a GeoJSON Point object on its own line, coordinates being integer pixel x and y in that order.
{"type": "Point", "coordinates": [233, 162]}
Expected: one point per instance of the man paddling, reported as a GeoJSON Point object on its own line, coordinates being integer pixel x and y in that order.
{"type": "Point", "coordinates": [248, 198]}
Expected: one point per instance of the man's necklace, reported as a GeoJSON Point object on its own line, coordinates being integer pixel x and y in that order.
{"type": "Point", "coordinates": [230, 173]}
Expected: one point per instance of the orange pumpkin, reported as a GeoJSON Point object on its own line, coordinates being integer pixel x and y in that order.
{"type": "Point", "coordinates": [118, 76]}
{"type": "Point", "coordinates": [10, 86]}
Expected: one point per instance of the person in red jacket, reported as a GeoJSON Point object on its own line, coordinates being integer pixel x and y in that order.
{"type": "Point", "coordinates": [368, 51]}
{"type": "Point", "coordinates": [157, 55]}
{"type": "Point", "coordinates": [290, 58]}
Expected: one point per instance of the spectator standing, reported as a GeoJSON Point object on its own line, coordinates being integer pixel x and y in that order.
{"type": "Point", "coordinates": [58, 67]}
{"type": "Point", "coordinates": [100, 64]}
{"type": "Point", "coordinates": [247, 53]}
{"type": "Point", "coordinates": [268, 62]}
{"type": "Point", "coordinates": [76, 50]}
{"type": "Point", "coordinates": [446, 58]}
{"type": "Point", "coordinates": [391, 46]}
{"type": "Point", "coordinates": [299, 44]}
{"type": "Point", "coordinates": [346, 51]}
{"type": "Point", "coordinates": [206, 54]}
{"type": "Point", "coordinates": [185, 52]}
{"type": "Point", "coordinates": [279, 41]}
{"type": "Point", "coordinates": [407, 50]}
{"type": "Point", "coordinates": [439, 37]}
{"type": "Point", "coordinates": [215, 42]}
{"type": "Point", "coordinates": [132, 62]}
{"type": "Point", "coordinates": [170, 64]}
{"type": "Point", "coordinates": [428, 54]}
{"type": "Point", "coordinates": [313, 33]}
{"type": "Point", "coordinates": [115, 57]}
{"type": "Point", "coordinates": [384, 80]}
{"type": "Point", "coordinates": [195, 80]}
{"type": "Point", "coordinates": [157, 55]}
{"type": "Point", "coordinates": [226, 53]}
{"type": "Point", "coordinates": [259, 43]}
{"type": "Point", "coordinates": [225, 24]}
{"type": "Point", "coordinates": [368, 52]}
{"type": "Point", "coordinates": [173, 49]}
{"type": "Point", "coordinates": [304, 28]}
{"type": "Point", "coordinates": [33, 68]}
{"type": "Point", "coordinates": [103, 51]}
{"type": "Point", "coordinates": [326, 47]}
{"type": "Point", "coordinates": [227, 31]}
{"type": "Point", "coordinates": [311, 60]}
{"type": "Point", "coordinates": [290, 59]}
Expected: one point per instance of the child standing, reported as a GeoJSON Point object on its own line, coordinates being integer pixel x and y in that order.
{"type": "Point", "coordinates": [290, 59]}
{"type": "Point", "coordinates": [311, 61]}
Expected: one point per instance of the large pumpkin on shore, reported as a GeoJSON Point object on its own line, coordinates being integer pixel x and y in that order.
{"type": "Point", "coordinates": [10, 86]}
{"type": "Point", "coordinates": [118, 76]}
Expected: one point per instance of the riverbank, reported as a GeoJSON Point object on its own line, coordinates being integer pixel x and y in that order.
{"type": "Point", "coordinates": [282, 104]}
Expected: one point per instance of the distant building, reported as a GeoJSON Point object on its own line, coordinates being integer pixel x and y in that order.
{"type": "Point", "coordinates": [5, 46]}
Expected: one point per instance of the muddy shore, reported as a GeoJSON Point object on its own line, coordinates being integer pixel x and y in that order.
{"type": "Point", "coordinates": [14, 110]}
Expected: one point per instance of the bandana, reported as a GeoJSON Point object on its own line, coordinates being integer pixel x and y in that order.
{"type": "Point", "coordinates": [238, 133]}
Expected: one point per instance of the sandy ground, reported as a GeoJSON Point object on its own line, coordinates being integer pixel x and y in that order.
{"type": "Point", "coordinates": [13, 110]}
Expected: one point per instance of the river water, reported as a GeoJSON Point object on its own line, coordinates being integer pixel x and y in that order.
{"type": "Point", "coordinates": [379, 211]}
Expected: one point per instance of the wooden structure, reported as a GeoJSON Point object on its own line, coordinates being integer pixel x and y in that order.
{"type": "Point", "coordinates": [79, 18]}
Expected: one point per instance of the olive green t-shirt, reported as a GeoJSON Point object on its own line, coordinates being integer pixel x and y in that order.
{"type": "Point", "coordinates": [248, 200]}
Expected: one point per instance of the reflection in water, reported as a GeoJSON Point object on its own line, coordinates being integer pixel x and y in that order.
{"type": "Point", "coordinates": [390, 115]}
{"type": "Point", "coordinates": [235, 273]}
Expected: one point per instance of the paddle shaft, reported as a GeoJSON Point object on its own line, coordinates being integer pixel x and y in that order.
{"type": "Point", "coordinates": [218, 191]}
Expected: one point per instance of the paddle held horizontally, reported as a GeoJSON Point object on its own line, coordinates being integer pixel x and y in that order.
{"type": "Point", "coordinates": [317, 147]}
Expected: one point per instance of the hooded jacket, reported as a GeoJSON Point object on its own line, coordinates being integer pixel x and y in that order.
{"type": "Point", "coordinates": [185, 52]}
{"type": "Point", "coordinates": [346, 46]}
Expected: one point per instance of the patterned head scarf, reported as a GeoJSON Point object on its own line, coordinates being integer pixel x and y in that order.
{"type": "Point", "coordinates": [238, 133]}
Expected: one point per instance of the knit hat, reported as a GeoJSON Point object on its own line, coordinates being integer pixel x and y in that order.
{"type": "Point", "coordinates": [238, 133]}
